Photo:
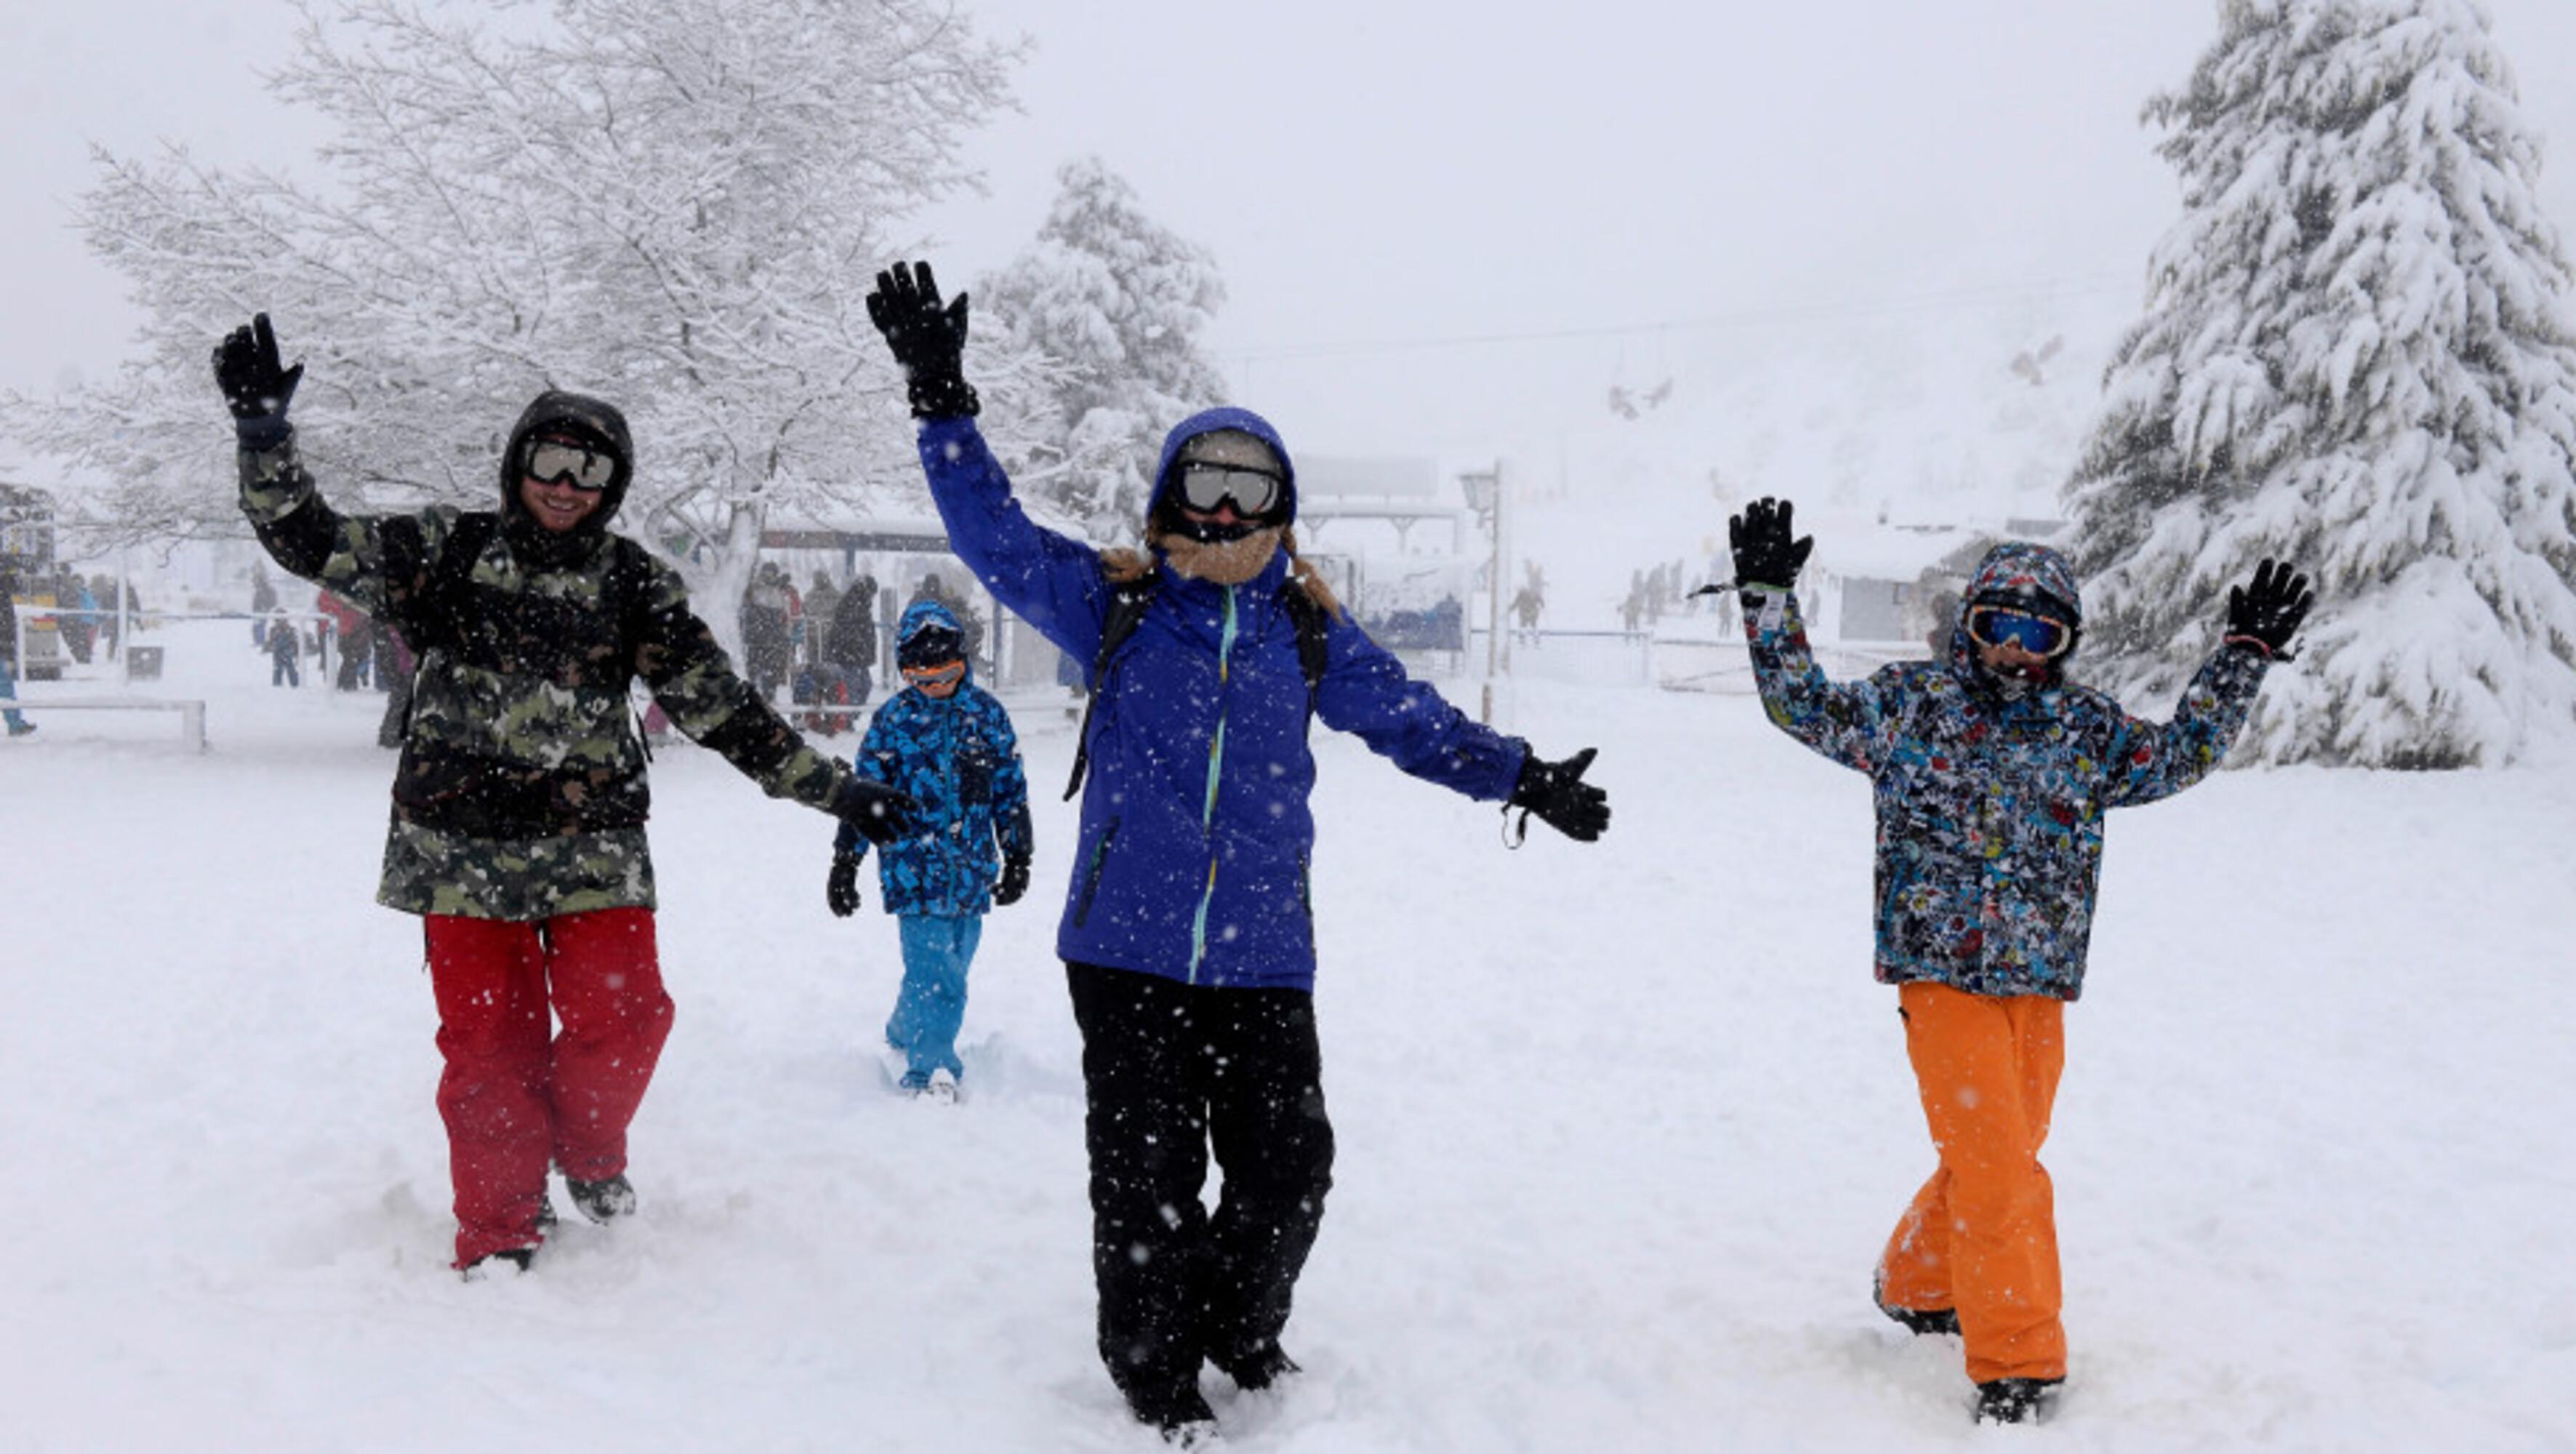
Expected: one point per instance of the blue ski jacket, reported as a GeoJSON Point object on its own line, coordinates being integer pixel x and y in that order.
{"type": "Point", "coordinates": [960, 761]}
{"type": "Point", "coordinates": [1989, 806]}
{"type": "Point", "coordinates": [1196, 840]}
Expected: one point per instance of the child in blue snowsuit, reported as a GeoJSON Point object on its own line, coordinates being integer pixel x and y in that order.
{"type": "Point", "coordinates": [949, 744]}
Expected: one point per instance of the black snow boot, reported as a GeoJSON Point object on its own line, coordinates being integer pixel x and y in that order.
{"type": "Point", "coordinates": [1257, 1368]}
{"type": "Point", "coordinates": [512, 1260]}
{"type": "Point", "coordinates": [2016, 1400]}
{"type": "Point", "coordinates": [1181, 1415]}
{"type": "Point", "coordinates": [1917, 1321]}
{"type": "Point", "coordinates": [602, 1201]}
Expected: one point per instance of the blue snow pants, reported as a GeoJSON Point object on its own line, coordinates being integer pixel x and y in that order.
{"type": "Point", "coordinates": [937, 948]}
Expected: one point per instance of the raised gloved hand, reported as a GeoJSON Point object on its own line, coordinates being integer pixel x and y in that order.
{"type": "Point", "coordinates": [256, 387]}
{"type": "Point", "coordinates": [1557, 793]}
{"type": "Point", "coordinates": [1765, 555]}
{"type": "Point", "coordinates": [841, 890]}
{"type": "Point", "coordinates": [928, 340]}
{"type": "Point", "coordinates": [2268, 612]}
{"type": "Point", "coordinates": [1014, 881]}
{"type": "Point", "coordinates": [881, 814]}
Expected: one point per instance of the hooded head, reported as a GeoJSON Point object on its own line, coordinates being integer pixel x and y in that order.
{"type": "Point", "coordinates": [2024, 577]}
{"type": "Point", "coordinates": [930, 636]}
{"type": "Point", "coordinates": [576, 418]}
{"type": "Point", "coordinates": [1227, 551]}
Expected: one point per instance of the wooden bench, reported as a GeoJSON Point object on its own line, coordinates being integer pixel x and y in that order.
{"type": "Point", "coordinates": [192, 714]}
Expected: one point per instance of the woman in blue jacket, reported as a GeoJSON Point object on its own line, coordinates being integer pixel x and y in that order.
{"type": "Point", "coordinates": [1188, 929]}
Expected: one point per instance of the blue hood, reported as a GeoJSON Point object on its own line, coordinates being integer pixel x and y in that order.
{"type": "Point", "coordinates": [928, 613]}
{"type": "Point", "coordinates": [1209, 421]}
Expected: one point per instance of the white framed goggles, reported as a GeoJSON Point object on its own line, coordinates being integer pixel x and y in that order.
{"type": "Point", "coordinates": [1204, 486]}
{"type": "Point", "coordinates": [555, 462]}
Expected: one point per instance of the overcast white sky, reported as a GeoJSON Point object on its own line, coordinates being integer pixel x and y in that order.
{"type": "Point", "coordinates": [1367, 172]}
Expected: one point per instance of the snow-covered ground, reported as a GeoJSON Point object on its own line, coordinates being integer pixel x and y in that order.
{"type": "Point", "coordinates": [1621, 1127]}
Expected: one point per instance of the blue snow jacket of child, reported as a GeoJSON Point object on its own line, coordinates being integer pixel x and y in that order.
{"type": "Point", "coordinates": [1990, 806]}
{"type": "Point", "coordinates": [1196, 837]}
{"type": "Point", "coordinates": [960, 761]}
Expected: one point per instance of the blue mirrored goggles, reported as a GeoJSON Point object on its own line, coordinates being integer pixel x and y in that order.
{"type": "Point", "coordinates": [2011, 626]}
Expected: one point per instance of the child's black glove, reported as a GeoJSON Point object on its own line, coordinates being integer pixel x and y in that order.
{"type": "Point", "coordinates": [1765, 555]}
{"type": "Point", "coordinates": [257, 388]}
{"type": "Point", "coordinates": [928, 340]}
{"type": "Point", "coordinates": [1557, 793]}
{"type": "Point", "coordinates": [2268, 612]}
{"type": "Point", "coordinates": [841, 890]}
{"type": "Point", "coordinates": [1015, 881]}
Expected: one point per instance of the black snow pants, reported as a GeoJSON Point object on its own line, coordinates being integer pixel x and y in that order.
{"type": "Point", "coordinates": [1171, 1069]}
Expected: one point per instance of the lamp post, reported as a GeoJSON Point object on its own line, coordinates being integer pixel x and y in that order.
{"type": "Point", "coordinates": [1486, 496]}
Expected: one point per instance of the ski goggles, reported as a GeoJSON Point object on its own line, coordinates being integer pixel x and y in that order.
{"type": "Point", "coordinates": [1204, 486]}
{"type": "Point", "coordinates": [2011, 626]}
{"type": "Point", "coordinates": [582, 468]}
{"type": "Point", "coordinates": [946, 674]}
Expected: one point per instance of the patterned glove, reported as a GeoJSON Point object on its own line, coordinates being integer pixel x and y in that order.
{"type": "Point", "coordinates": [1015, 881]}
{"type": "Point", "coordinates": [928, 340]}
{"type": "Point", "coordinates": [841, 890]}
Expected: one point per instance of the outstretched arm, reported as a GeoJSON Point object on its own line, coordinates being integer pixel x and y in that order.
{"type": "Point", "coordinates": [1849, 722]}
{"type": "Point", "coordinates": [2150, 760]}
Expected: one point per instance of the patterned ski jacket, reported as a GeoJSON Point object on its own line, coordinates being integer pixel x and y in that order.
{"type": "Point", "coordinates": [1990, 807]}
{"type": "Point", "coordinates": [960, 761]}
{"type": "Point", "coordinates": [1193, 856]}
{"type": "Point", "coordinates": [520, 793]}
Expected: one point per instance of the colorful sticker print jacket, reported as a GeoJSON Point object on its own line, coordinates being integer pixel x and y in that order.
{"type": "Point", "coordinates": [960, 761]}
{"type": "Point", "coordinates": [1196, 834]}
{"type": "Point", "coordinates": [1990, 807]}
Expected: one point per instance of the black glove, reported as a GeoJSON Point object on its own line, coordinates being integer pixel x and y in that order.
{"type": "Point", "coordinates": [255, 387]}
{"type": "Point", "coordinates": [1764, 553]}
{"type": "Point", "coordinates": [1015, 881]}
{"type": "Point", "coordinates": [881, 814]}
{"type": "Point", "coordinates": [1557, 793]}
{"type": "Point", "coordinates": [929, 341]}
{"type": "Point", "coordinates": [841, 890]}
{"type": "Point", "coordinates": [2268, 612]}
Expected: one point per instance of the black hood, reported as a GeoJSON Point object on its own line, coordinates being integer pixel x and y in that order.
{"type": "Point", "coordinates": [590, 416]}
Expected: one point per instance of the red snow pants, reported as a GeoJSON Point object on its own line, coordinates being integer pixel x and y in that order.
{"type": "Point", "coordinates": [1981, 1235]}
{"type": "Point", "coordinates": [515, 1094]}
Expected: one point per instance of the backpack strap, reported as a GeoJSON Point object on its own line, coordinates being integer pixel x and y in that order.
{"type": "Point", "coordinates": [1127, 603]}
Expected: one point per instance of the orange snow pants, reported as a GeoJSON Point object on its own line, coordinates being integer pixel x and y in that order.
{"type": "Point", "coordinates": [1981, 1235]}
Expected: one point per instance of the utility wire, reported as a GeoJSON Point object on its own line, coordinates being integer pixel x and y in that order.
{"type": "Point", "coordinates": [1746, 318]}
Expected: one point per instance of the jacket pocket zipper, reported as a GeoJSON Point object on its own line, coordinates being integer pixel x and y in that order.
{"type": "Point", "coordinates": [1091, 875]}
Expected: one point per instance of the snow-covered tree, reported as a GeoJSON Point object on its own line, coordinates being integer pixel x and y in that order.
{"type": "Point", "coordinates": [2355, 356]}
{"type": "Point", "coordinates": [677, 205]}
{"type": "Point", "coordinates": [1115, 304]}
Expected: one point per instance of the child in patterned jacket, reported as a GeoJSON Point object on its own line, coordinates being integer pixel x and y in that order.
{"type": "Point", "coordinates": [949, 743]}
{"type": "Point", "coordinates": [1991, 773]}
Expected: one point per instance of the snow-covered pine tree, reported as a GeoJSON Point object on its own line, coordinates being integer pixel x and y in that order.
{"type": "Point", "coordinates": [1115, 304]}
{"type": "Point", "coordinates": [2355, 356]}
{"type": "Point", "coordinates": [678, 205]}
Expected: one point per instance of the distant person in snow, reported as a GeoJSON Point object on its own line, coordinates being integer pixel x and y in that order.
{"type": "Point", "coordinates": [18, 724]}
{"type": "Point", "coordinates": [1992, 773]}
{"type": "Point", "coordinates": [1188, 929]}
{"type": "Point", "coordinates": [947, 744]}
{"type": "Point", "coordinates": [519, 800]}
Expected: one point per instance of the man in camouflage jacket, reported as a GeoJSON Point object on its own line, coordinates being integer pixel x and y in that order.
{"type": "Point", "coordinates": [1992, 772]}
{"type": "Point", "coordinates": [519, 802]}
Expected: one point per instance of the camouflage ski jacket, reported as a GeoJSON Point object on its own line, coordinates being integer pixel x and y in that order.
{"type": "Point", "coordinates": [959, 760]}
{"type": "Point", "coordinates": [520, 793]}
{"type": "Point", "coordinates": [1990, 807]}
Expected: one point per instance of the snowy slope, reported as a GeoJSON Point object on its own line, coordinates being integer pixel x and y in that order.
{"type": "Point", "coordinates": [1621, 1128]}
